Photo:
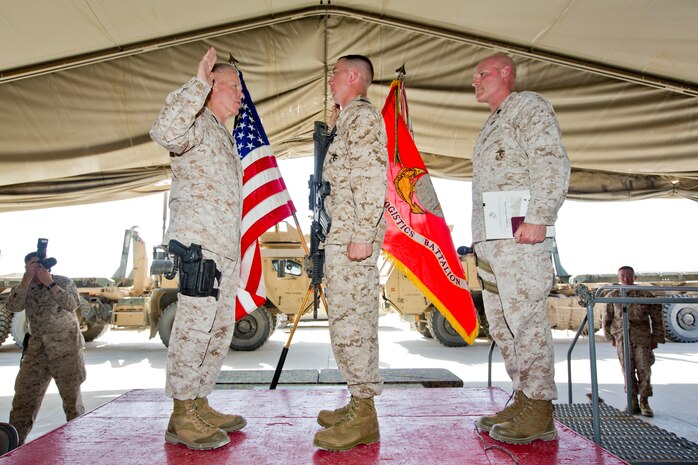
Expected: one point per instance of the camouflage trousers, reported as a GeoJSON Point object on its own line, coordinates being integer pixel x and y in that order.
{"type": "Point", "coordinates": [201, 335]}
{"type": "Point", "coordinates": [641, 361]}
{"type": "Point", "coordinates": [518, 315]}
{"type": "Point", "coordinates": [353, 293]}
{"type": "Point", "coordinates": [35, 373]}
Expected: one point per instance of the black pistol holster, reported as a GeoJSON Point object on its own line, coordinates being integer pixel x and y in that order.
{"type": "Point", "coordinates": [196, 274]}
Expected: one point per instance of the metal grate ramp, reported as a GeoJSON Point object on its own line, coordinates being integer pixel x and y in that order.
{"type": "Point", "coordinates": [628, 437]}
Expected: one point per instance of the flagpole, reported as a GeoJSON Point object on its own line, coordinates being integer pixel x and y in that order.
{"type": "Point", "coordinates": [401, 73]}
{"type": "Point", "coordinates": [284, 351]}
{"type": "Point", "coordinates": [297, 318]}
{"type": "Point", "coordinates": [300, 235]}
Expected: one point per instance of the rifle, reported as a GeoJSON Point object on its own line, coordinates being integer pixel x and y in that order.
{"type": "Point", "coordinates": [319, 189]}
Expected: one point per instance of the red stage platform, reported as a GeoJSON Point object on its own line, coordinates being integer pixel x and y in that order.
{"type": "Point", "coordinates": [418, 426]}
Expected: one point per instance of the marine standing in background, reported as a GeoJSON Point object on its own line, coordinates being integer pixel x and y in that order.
{"type": "Point", "coordinates": [646, 331]}
{"type": "Point", "coordinates": [205, 209]}
{"type": "Point", "coordinates": [53, 347]}
{"type": "Point", "coordinates": [356, 168]}
{"type": "Point", "coordinates": [519, 148]}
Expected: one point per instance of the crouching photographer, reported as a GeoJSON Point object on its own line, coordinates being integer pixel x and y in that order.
{"type": "Point", "coordinates": [53, 345]}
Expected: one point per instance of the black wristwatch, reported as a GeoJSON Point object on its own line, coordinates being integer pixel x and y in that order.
{"type": "Point", "coordinates": [51, 286]}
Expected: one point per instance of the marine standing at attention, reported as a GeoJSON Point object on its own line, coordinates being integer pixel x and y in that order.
{"type": "Point", "coordinates": [519, 148]}
{"type": "Point", "coordinates": [356, 168]}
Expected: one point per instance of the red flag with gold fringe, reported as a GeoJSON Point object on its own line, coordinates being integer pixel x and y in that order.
{"type": "Point", "coordinates": [417, 240]}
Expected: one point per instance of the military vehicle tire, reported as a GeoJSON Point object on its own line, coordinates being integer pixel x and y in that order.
{"type": "Point", "coordinates": [19, 328]}
{"type": "Point", "coordinates": [441, 329]}
{"type": "Point", "coordinates": [91, 331]}
{"type": "Point", "coordinates": [166, 321]}
{"type": "Point", "coordinates": [422, 328]}
{"type": "Point", "coordinates": [276, 317]}
{"type": "Point", "coordinates": [9, 439]}
{"type": "Point", "coordinates": [681, 321]}
{"type": "Point", "coordinates": [94, 331]}
{"type": "Point", "coordinates": [5, 322]}
{"type": "Point", "coordinates": [252, 331]}
{"type": "Point", "coordinates": [484, 329]}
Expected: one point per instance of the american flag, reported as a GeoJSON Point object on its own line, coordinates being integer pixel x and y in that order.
{"type": "Point", "coordinates": [265, 202]}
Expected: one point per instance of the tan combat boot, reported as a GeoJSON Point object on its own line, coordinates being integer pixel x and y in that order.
{"type": "Point", "coordinates": [645, 408]}
{"type": "Point", "coordinates": [506, 414]}
{"type": "Point", "coordinates": [359, 426]}
{"type": "Point", "coordinates": [535, 421]}
{"type": "Point", "coordinates": [186, 427]}
{"type": "Point", "coordinates": [227, 422]}
{"type": "Point", "coordinates": [327, 418]}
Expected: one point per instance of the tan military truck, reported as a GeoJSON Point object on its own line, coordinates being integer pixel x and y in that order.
{"type": "Point", "coordinates": [146, 300]}
{"type": "Point", "coordinates": [286, 282]}
{"type": "Point", "coordinates": [680, 318]}
{"type": "Point", "coordinates": [149, 301]}
{"type": "Point", "coordinates": [401, 296]}
{"type": "Point", "coordinates": [564, 311]}
{"type": "Point", "coordinates": [16, 323]}
{"type": "Point", "coordinates": [5, 322]}
{"type": "Point", "coordinates": [6, 285]}
{"type": "Point", "coordinates": [117, 302]}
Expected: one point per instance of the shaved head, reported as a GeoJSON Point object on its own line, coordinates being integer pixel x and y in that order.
{"type": "Point", "coordinates": [502, 61]}
{"type": "Point", "coordinates": [626, 275]}
{"type": "Point", "coordinates": [363, 64]}
{"type": "Point", "coordinates": [494, 80]}
{"type": "Point", "coordinates": [350, 78]}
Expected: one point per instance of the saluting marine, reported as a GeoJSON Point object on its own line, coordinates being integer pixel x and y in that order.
{"type": "Point", "coordinates": [206, 211]}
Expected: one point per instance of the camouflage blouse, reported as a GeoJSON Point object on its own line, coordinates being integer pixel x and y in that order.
{"type": "Point", "coordinates": [206, 192]}
{"type": "Point", "coordinates": [356, 168]}
{"type": "Point", "coordinates": [52, 319]}
{"type": "Point", "coordinates": [520, 148]}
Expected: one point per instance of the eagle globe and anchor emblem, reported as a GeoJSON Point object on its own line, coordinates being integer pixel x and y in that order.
{"type": "Point", "coordinates": [413, 185]}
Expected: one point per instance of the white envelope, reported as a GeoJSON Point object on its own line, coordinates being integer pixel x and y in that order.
{"type": "Point", "coordinates": [504, 212]}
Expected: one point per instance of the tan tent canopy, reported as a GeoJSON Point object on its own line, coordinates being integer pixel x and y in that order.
{"type": "Point", "coordinates": [82, 82]}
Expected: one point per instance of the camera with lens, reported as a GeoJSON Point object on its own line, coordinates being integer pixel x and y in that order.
{"type": "Point", "coordinates": [47, 263]}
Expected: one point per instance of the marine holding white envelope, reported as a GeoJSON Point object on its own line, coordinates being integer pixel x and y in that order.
{"type": "Point", "coordinates": [519, 149]}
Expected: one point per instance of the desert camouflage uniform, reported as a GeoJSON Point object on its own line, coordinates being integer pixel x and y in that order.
{"type": "Point", "coordinates": [356, 168]}
{"type": "Point", "coordinates": [54, 350]}
{"type": "Point", "coordinates": [645, 327]}
{"type": "Point", "coordinates": [520, 148]}
{"type": "Point", "coordinates": [205, 209]}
